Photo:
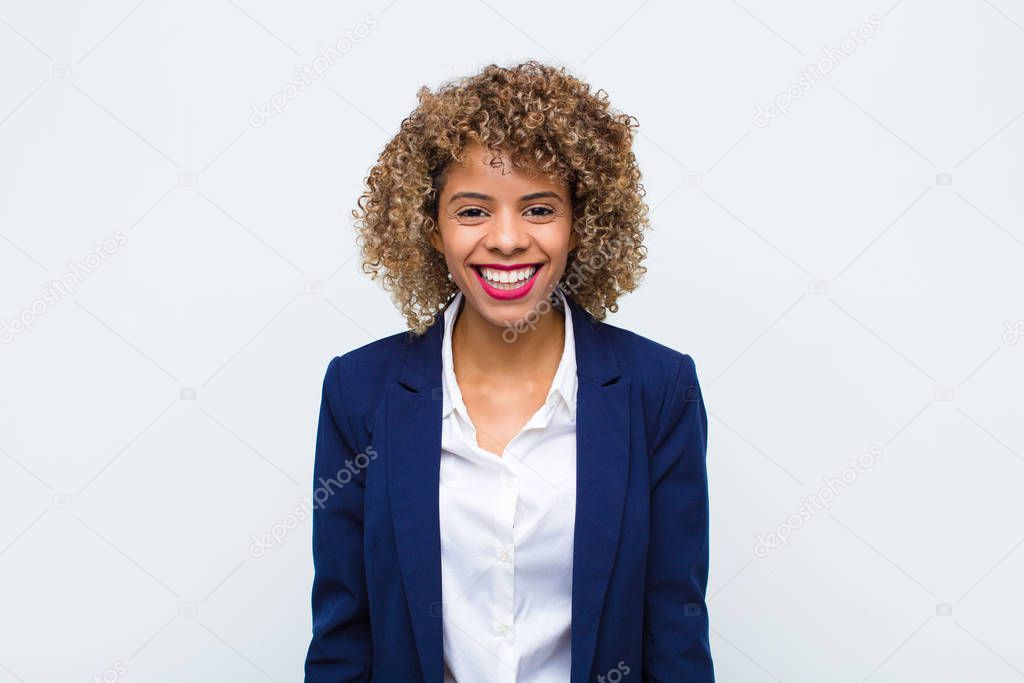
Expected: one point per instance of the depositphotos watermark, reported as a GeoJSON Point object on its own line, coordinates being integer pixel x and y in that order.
{"type": "Point", "coordinates": [615, 674]}
{"type": "Point", "coordinates": [1013, 332]}
{"type": "Point", "coordinates": [111, 674]}
{"type": "Point", "coordinates": [306, 504]}
{"type": "Point", "coordinates": [816, 502]}
{"type": "Point", "coordinates": [60, 287]}
{"type": "Point", "coordinates": [816, 71]}
{"type": "Point", "coordinates": [315, 70]}
{"type": "Point", "coordinates": [577, 273]}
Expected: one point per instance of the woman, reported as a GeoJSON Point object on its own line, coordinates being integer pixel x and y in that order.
{"type": "Point", "coordinates": [512, 490]}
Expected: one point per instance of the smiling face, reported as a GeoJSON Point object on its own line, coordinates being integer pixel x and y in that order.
{"type": "Point", "coordinates": [505, 234]}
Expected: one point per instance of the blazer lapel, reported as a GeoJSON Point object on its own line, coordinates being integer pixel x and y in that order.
{"type": "Point", "coordinates": [602, 466]}
{"type": "Point", "coordinates": [412, 448]}
{"type": "Point", "coordinates": [412, 453]}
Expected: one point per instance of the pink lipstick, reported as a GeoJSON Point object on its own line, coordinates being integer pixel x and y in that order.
{"type": "Point", "coordinates": [507, 282]}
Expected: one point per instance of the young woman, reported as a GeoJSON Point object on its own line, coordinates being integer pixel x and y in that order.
{"type": "Point", "coordinates": [511, 490]}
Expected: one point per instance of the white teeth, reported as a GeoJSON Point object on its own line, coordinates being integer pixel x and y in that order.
{"type": "Point", "coordinates": [507, 277]}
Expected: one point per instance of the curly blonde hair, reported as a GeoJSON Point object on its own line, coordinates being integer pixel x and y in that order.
{"type": "Point", "coordinates": [540, 117]}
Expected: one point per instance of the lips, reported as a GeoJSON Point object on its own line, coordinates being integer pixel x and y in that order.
{"type": "Point", "coordinates": [507, 282]}
{"type": "Point", "coordinates": [510, 275]}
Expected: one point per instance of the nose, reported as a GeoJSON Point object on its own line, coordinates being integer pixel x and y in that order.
{"type": "Point", "coordinates": [508, 233]}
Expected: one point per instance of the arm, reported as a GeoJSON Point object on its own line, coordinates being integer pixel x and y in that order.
{"type": "Point", "coordinates": [340, 649]}
{"type": "Point", "coordinates": [676, 647]}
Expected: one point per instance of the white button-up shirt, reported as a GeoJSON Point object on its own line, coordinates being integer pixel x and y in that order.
{"type": "Point", "coordinates": [507, 534]}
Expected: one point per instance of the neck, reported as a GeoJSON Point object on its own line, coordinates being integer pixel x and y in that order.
{"type": "Point", "coordinates": [508, 352]}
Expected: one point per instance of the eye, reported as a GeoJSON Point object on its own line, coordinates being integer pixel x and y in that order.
{"type": "Point", "coordinates": [547, 211]}
{"type": "Point", "coordinates": [468, 213]}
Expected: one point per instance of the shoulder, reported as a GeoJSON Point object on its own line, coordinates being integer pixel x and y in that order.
{"type": "Point", "coordinates": [648, 361]}
{"type": "Point", "coordinates": [663, 378]}
{"type": "Point", "coordinates": [355, 381]}
{"type": "Point", "coordinates": [372, 361]}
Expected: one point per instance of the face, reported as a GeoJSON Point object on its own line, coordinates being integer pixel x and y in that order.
{"type": "Point", "coordinates": [505, 234]}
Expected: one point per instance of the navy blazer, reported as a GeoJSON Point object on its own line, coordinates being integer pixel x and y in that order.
{"type": "Point", "coordinates": [640, 551]}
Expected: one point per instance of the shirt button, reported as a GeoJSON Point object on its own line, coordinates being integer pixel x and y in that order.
{"type": "Point", "coordinates": [510, 483]}
{"type": "Point", "coordinates": [504, 555]}
{"type": "Point", "coordinates": [502, 629]}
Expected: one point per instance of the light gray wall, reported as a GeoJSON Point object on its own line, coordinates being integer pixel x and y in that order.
{"type": "Point", "coordinates": [847, 277]}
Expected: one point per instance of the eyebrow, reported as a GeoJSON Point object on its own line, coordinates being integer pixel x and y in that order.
{"type": "Point", "coordinates": [488, 198]}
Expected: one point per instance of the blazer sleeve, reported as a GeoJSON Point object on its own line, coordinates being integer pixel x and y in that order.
{"type": "Point", "coordinates": [340, 650]}
{"type": "Point", "coordinates": [676, 648]}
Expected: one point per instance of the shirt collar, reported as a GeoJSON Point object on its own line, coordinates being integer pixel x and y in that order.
{"type": "Point", "coordinates": [563, 385]}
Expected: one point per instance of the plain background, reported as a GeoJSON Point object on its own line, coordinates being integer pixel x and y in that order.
{"type": "Point", "coordinates": [846, 277]}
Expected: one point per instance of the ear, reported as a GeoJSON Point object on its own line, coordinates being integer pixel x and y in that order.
{"type": "Point", "coordinates": [573, 240]}
{"type": "Point", "coordinates": [436, 241]}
